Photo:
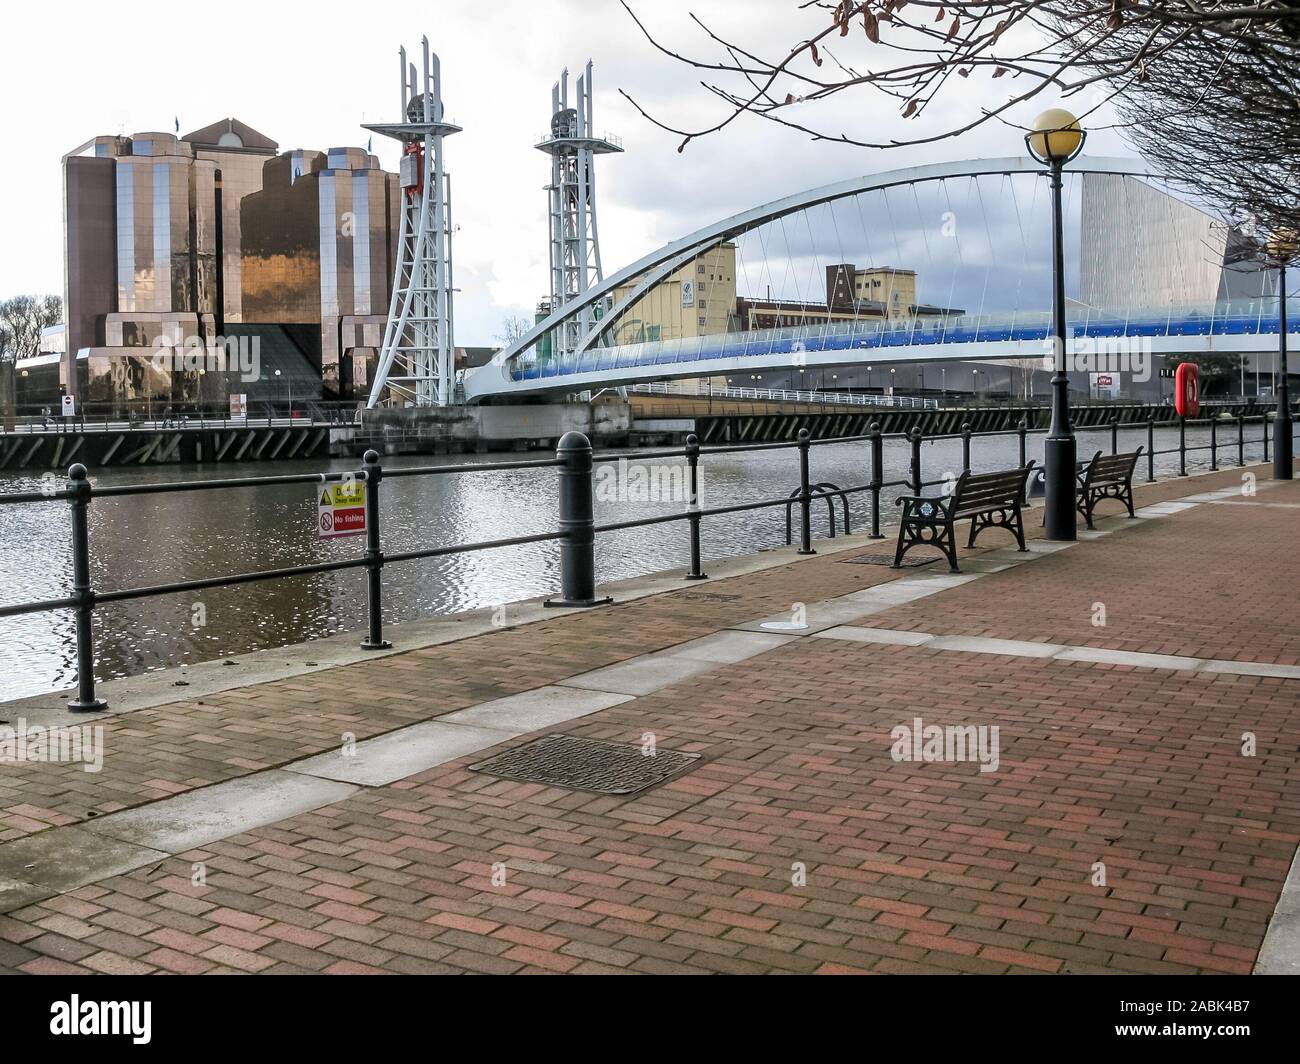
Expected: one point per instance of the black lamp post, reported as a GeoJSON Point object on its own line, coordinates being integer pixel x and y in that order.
{"type": "Point", "coordinates": [1283, 249]}
{"type": "Point", "coordinates": [1054, 140]}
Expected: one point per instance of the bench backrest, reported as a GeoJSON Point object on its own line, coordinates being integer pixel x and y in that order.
{"type": "Point", "coordinates": [1112, 468]}
{"type": "Point", "coordinates": [978, 492]}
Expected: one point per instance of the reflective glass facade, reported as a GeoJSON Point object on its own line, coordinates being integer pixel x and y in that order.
{"type": "Point", "coordinates": [196, 235]}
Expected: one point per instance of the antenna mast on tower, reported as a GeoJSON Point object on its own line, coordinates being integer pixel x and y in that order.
{"type": "Point", "coordinates": [417, 360]}
{"type": "Point", "coordinates": [575, 243]}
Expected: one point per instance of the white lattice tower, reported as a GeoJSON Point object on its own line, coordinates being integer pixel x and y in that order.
{"type": "Point", "coordinates": [417, 360]}
{"type": "Point", "coordinates": [573, 145]}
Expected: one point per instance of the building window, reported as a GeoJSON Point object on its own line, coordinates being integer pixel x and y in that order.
{"type": "Point", "coordinates": [700, 270]}
{"type": "Point", "coordinates": [702, 323]}
{"type": "Point", "coordinates": [704, 305]}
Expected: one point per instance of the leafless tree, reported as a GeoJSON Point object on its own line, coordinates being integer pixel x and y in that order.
{"type": "Point", "coordinates": [1224, 123]}
{"type": "Point", "coordinates": [21, 320]}
{"type": "Point", "coordinates": [1181, 72]}
{"type": "Point", "coordinates": [513, 327]}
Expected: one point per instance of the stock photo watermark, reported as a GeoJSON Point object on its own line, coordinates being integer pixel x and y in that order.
{"type": "Point", "coordinates": [54, 744]}
{"type": "Point", "coordinates": [1129, 356]}
{"type": "Point", "coordinates": [626, 481]}
{"type": "Point", "coordinates": [210, 354]}
{"type": "Point", "coordinates": [923, 743]}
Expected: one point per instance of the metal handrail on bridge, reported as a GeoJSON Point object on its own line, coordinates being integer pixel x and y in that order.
{"type": "Point", "coordinates": [786, 395]}
{"type": "Point", "coordinates": [576, 535]}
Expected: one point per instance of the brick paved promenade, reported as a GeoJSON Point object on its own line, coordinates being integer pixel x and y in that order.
{"type": "Point", "coordinates": [796, 843]}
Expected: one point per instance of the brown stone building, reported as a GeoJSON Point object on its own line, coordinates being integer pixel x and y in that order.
{"type": "Point", "coordinates": [214, 235]}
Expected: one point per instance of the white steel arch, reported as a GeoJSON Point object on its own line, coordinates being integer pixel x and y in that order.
{"type": "Point", "coordinates": [495, 378]}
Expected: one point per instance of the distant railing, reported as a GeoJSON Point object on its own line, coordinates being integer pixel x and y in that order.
{"type": "Point", "coordinates": [1252, 318]}
{"type": "Point", "coordinates": [787, 395]}
{"type": "Point", "coordinates": [577, 526]}
{"type": "Point", "coordinates": [262, 416]}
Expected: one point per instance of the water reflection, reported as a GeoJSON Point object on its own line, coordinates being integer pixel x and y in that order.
{"type": "Point", "coordinates": [182, 536]}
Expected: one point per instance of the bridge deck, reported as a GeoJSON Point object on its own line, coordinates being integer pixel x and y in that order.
{"type": "Point", "coordinates": [385, 862]}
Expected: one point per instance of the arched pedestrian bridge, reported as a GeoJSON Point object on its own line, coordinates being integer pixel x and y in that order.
{"type": "Point", "coordinates": [965, 275]}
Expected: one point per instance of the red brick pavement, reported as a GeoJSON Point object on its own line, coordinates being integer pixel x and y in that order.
{"type": "Point", "coordinates": [909, 867]}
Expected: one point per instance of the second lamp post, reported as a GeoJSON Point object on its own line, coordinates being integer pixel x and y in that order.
{"type": "Point", "coordinates": [1054, 140]}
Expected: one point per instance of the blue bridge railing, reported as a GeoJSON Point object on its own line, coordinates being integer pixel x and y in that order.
{"type": "Point", "coordinates": [873, 334]}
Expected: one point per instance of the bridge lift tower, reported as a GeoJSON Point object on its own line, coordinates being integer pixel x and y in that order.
{"type": "Point", "coordinates": [575, 243]}
{"type": "Point", "coordinates": [417, 360]}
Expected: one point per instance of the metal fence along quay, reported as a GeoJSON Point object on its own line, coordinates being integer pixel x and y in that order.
{"type": "Point", "coordinates": [578, 530]}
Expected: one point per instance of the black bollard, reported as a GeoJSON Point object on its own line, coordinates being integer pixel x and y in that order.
{"type": "Point", "coordinates": [877, 477]}
{"type": "Point", "coordinates": [578, 523]}
{"type": "Point", "coordinates": [85, 702]}
{"type": "Point", "coordinates": [805, 495]}
{"type": "Point", "coordinates": [693, 506]}
{"type": "Point", "coordinates": [374, 557]}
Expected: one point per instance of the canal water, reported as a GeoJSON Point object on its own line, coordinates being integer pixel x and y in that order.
{"type": "Point", "coordinates": [155, 539]}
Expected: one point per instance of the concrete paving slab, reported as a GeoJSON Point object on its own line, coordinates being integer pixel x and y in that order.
{"type": "Point", "coordinates": [1125, 657]}
{"type": "Point", "coordinates": [15, 894]}
{"type": "Point", "coordinates": [66, 858]}
{"type": "Point", "coordinates": [885, 636]}
{"type": "Point", "coordinates": [727, 648]}
{"type": "Point", "coordinates": [1250, 502]}
{"type": "Point", "coordinates": [1164, 509]}
{"type": "Point", "coordinates": [901, 592]}
{"type": "Point", "coordinates": [406, 752]}
{"type": "Point", "coordinates": [1253, 668]}
{"type": "Point", "coordinates": [536, 709]}
{"type": "Point", "coordinates": [1017, 648]}
{"type": "Point", "coordinates": [818, 616]}
{"type": "Point", "coordinates": [1038, 546]}
{"type": "Point", "coordinates": [196, 818]}
{"type": "Point", "coordinates": [1280, 953]}
{"type": "Point", "coordinates": [640, 676]}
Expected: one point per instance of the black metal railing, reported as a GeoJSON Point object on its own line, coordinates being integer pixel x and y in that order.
{"type": "Point", "coordinates": [577, 532]}
{"type": "Point", "coordinates": [28, 420]}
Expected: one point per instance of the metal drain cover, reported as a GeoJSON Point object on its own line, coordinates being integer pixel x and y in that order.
{"type": "Point", "coordinates": [888, 559]}
{"type": "Point", "coordinates": [587, 765]}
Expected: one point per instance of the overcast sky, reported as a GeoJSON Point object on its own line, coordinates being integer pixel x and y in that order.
{"type": "Point", "coordinates": [308, 75]}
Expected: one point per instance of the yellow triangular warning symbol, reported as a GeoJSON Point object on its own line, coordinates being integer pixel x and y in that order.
{"type": "Point", "coordinates": [325, 498]}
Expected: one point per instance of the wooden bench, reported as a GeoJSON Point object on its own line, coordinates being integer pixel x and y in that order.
{"type": "Point", "coordinates": [989, 500]}
{"type": "Point", "coordinates": [1106, 477]}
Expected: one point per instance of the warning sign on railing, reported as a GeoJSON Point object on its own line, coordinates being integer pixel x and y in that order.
{"type": "Point", "coordinates": [342, 510]}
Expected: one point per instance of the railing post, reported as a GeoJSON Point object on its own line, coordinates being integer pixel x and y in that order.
{"type": "Point", "coordinates": [79, 485]}
{"type": "Point", "coordinates": [374, 557]}
{"type": "Point", "coordinates": [916, 461]}
{"type": "Point", "coordinates": [693, 505]}
{"type": "Point", "coordinates": [1214, 443]}
{"type": "Point", "coordinates": [805, 495]}
{"type": "Point", "coordinates": [1182, 445]}
{"type": "Point", "coordinates": [1114, 435]}
{"type": "Point", "coordinates": [1267, 433]}
{"type": "Point", "coordinates": [965, 446]}
{"type": "Point", "coordinates": [578, 523]}
{"type": "Point", "coordinates": [877, 477]}
{"type": "Point", "coordinates": [1023, 431]}
{"type": "Point", "coordinates": [1151, 449]}
{"type": "Point", "coordinates": [1241, 440]}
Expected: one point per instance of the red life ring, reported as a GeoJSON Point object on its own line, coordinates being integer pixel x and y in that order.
{"type": "Point", "coordinates": [1187, 389]}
